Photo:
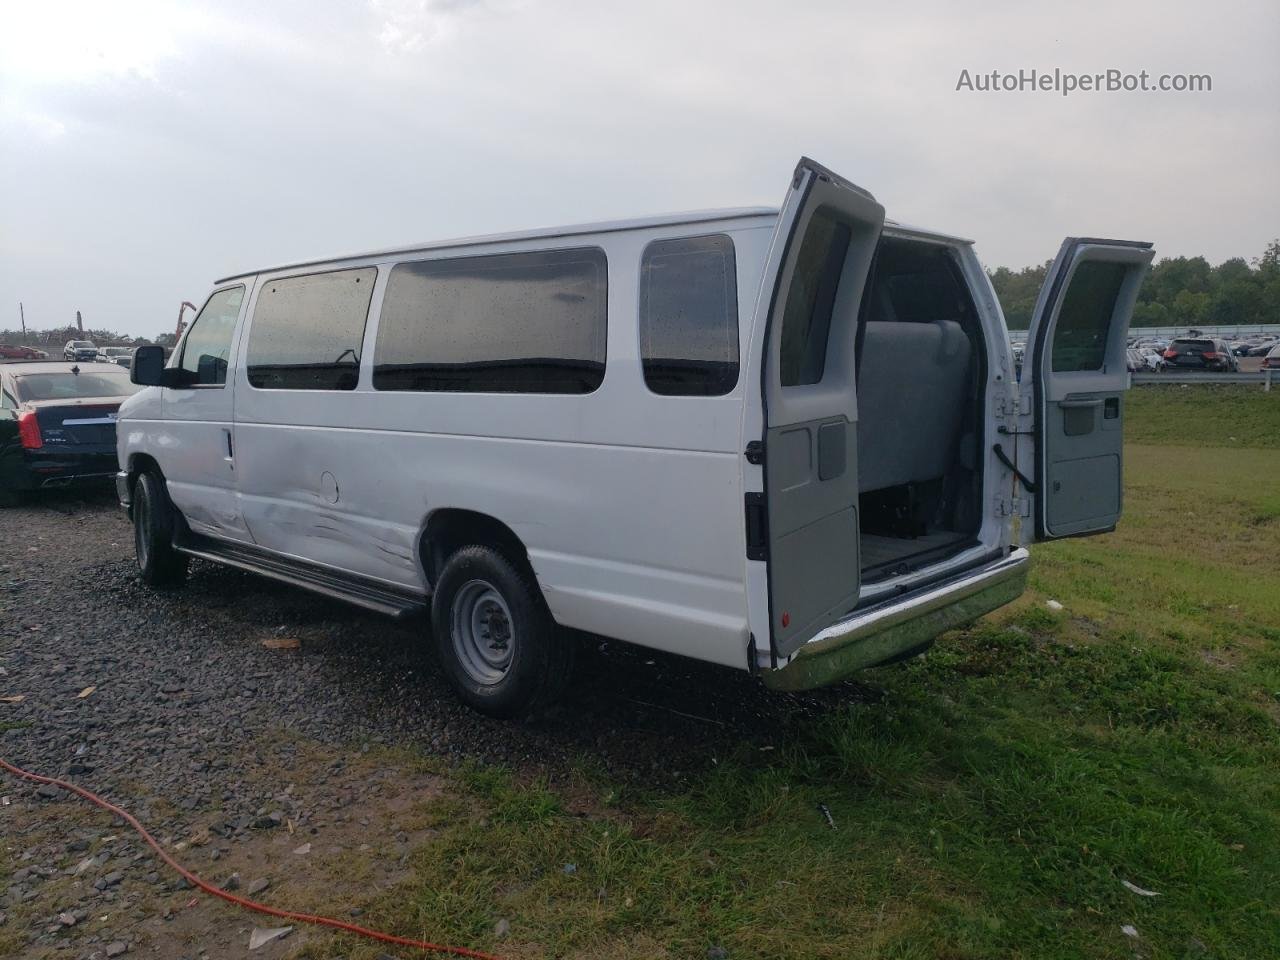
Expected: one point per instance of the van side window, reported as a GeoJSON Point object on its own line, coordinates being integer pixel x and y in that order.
{"type": "Point", "coordinates": [307, 331]}
{"type": "Point", "coordinates": [806, 319]}
{"type": "Point", "coordinates": [689, 316]}
{"type": "Point", "coordinates": [1084, 321]}
{"type": "Point", "coordinates": [509, 323]}
{"type": "Point", "coordinates": [207, 345]}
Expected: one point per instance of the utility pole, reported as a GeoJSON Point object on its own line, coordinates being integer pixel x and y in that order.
{"type": "Point", "coordinates": [79, 322]}
{"type": "Point", "coordinates": [22, 317]}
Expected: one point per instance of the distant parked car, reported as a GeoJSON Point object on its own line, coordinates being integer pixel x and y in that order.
{"type": "Point", "coordinates": [79, 350]}
{"type": "Point", "coordinates": [120, 356]}
{"type": "Point", "coordinates": [1200, 353]}
{"type": "Point", "coordinates": [1264, 349]}
{"type": "Point", "coordinates": [58, 424]}
{"type": "Point", "coordinates": [9, 351]}
{"type": "Point", "coordinates": [1272, 360]}
{"type": "Point", "coordinates": [1134, 362]}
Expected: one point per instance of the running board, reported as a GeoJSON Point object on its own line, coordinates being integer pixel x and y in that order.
{"type": "Point", "coordinates": [374, 595]}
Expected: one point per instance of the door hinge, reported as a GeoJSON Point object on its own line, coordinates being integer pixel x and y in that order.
{"type": "Point", "coordinates": [755, 452]}
{"type": "Point", "coordinates": [757, 527]}
{"type": "Point", "coordinates": [1013, 507]}
{"type": "Point", "coordinates": [1019, 406]}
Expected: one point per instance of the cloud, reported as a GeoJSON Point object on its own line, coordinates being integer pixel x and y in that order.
{"type": "Point", "coordinates": [149, 149]}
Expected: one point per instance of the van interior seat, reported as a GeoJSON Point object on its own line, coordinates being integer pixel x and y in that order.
{"type": "Point", "coordinates": [911, 401]}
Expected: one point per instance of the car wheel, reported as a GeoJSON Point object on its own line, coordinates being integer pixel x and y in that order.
{"type": "Point", "coordinates": [154, 520]}
{"type": "Point", "coordinates": [495, 638]}
{"type": "Point", "coordinates": [11, 498]}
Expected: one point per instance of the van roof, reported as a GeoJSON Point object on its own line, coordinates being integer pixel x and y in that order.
{"type": "Point", "coordinates": [577, 229]}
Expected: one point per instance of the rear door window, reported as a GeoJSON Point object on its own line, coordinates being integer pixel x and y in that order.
{"type": "Point", "coordinates": [1084, 321]}
{"type": "Point", "coordinates": [689, 316]}
{"type": "Point", "coordinates": [806, 319]}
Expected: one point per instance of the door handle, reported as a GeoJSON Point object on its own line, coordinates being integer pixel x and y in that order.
{"type": "Point", "coordinates": [1078, 404]}
{"type": "Point", "coordinates": [230, 457]}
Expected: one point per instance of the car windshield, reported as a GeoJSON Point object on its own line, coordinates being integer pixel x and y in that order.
{"type": "Point", "coordinates": [68, 386]}
{"type": "Point", "coordinates": [79, 344]}
{"type": "Point", "coordinates": [116, 351]}
{"type": "Point", "coordinates": [1200, 345]}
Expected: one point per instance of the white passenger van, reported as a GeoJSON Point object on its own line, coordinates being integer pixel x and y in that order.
{"type": "Point", "coordinates": [787, 441]}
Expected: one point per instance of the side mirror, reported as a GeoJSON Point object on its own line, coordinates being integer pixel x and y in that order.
{"type": "Point", "coordinates": [147, 369]}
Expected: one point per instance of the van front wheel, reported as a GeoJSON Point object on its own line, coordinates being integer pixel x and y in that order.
{"type": "Point", "coordinates": [495, 638]}
{"type": "Point", "coordinates": [159, 564]}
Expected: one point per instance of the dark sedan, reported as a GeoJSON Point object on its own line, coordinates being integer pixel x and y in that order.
{"type": "Point", "coordinates": [1201, 353]}
{"type": "Point", "coordinates": [58, 424]}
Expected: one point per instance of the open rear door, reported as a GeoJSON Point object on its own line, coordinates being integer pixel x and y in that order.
{"type": "Point", "coordinates": [818, 264]}
{"type": "Point", "coordinates": [1073, 382]}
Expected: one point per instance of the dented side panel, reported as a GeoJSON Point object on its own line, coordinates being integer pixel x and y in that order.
{"type": "Point", "coordinates": [641, 539]}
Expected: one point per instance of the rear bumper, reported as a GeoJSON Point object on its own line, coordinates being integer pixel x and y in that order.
{"type": "Point", "coordinates": [868, 637]}
{"type": "Point", "coordinates": [46, 468]}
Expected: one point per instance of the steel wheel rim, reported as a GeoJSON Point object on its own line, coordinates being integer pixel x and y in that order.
{"type": "Point", "coordinates": [482, 632]}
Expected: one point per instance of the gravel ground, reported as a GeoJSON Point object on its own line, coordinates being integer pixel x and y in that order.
{"type": "Point", "coordinates": [170, 703]}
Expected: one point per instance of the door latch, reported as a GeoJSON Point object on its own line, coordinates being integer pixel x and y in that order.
{"type": "Point", "coordinates": [755, 452]}
{"type": "Point", "coordinates": [757, 527]}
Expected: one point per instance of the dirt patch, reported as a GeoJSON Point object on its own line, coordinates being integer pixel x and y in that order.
{"type": "Point", "coordinates": [338, 831]}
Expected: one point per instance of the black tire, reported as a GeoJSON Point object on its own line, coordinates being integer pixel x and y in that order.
{"type": "Point", "coordinates": [154, 520]}
{"type": "Point", "coordinates": [494, 636]}
{"type": "Point", "coordinates": [11, 498]}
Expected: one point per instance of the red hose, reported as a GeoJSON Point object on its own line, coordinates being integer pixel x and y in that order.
{"type": "Point", "coordinates": [232, 898]}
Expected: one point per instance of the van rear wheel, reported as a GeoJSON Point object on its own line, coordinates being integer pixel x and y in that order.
{"type": "Point", "coordinates": [154, 519]}
{"type": "Point", "coordinates": [494, 635]}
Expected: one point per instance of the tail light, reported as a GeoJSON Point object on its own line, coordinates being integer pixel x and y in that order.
{"type": "Point", "coordinates": [29, 431]}
{"type": "Point", "coordinates": [1171, 354]}
{"type": "Point", "coordinates": [1210, 355]}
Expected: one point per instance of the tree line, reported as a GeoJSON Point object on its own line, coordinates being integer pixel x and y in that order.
{"type": "Point", "coordinates": [1178, 292]}
{"type": "Point", "coordinates": [60, 335]}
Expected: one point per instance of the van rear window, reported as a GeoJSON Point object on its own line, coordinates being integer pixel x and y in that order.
{"type": "Point", "coordinates": [1084, 320]}
{"type": "Point", "coordinates": [806, 318]}
{"type": "Point", "coordinates": [307, 331]}
{"type": "Point", "coordinates": [689, 316]}
{"type": "Point", "coordinates": [510, 323]}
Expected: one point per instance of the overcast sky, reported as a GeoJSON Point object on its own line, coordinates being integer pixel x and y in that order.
{"type": "Point", "coordinates": [149, 148]}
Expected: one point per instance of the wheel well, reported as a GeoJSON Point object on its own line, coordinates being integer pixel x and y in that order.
{"type": "Point", "coordinates": [141, 463]}
{"type": "Point", "coordinates": [449, 529]}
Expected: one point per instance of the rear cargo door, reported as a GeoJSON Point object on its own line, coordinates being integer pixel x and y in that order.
{"type": "Point", "coordinates": [1074, 380]}
{"type": "Point", "coordinates": [817, 268]}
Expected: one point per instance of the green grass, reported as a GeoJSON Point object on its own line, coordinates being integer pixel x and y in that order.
{"type": "Point", "coordinates": [1192, 415]}
{"type": "Point", "coordinates": [990, 803]}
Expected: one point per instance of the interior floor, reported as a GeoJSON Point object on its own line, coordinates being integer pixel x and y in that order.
{"type": "Point", "coordinates": [881, 553]}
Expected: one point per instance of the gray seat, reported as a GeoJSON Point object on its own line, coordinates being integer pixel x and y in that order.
{"type": "Point", "coordinates": [911, 397]}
